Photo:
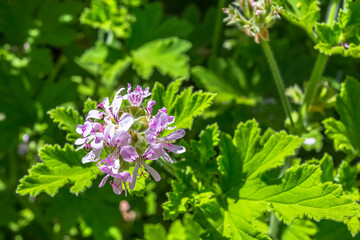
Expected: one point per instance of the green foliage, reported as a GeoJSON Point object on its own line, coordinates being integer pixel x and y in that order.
{"type": "Point", "coordinates": [304, 13]}
{"type": "Point", "coordinates": [68, 119]}
{"type": "Point", "coordinates": [187, 231]}
{"type": "Point", "coordinates": [334, 39]}
{"type": "Point", "coordinates": [212, 78]}
{"type": "Point", "coordinates": [167, 55]}
{"type": "Point", "coordinates": [300, 230]}
{"type": "Point", "coordinates": [250, 189]}
{"type": "Point", "coordinates": [109, 16]}
{"type": "Point", "coordinates": [346, 132]}
{"type": "Point", "coordinates": [60, 166]}
{"type": "Point", "coordinates": [185, 106]}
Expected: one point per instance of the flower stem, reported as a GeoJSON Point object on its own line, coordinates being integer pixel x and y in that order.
{"type": "Point", "coordinates": [319, 64]}
{"type": "Point", "coordinates": [278, 79]}
{"type": "Point", "coordinates": [273, 226]}
{"type": "Point", "coordinates": [314, 80]}
{"type": "Point", "coordinates": [167, 166]}
{"type": "Point", "coordinates": [217, 28]}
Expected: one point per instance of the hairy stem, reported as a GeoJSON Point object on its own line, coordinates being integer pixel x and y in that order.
{"type": "Point", "coordinates": [217, 28]}
{"type": "Point", "coordinates": [278, 79]}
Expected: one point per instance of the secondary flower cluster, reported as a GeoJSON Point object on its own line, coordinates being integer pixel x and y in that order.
{"type": "Point", "coordinates": [253, 17]}
{"type": "Point", "coordinates": [129, 134]}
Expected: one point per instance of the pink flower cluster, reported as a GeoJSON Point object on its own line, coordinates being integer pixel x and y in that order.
{"type": "Point", "coordinates": [129, 135]}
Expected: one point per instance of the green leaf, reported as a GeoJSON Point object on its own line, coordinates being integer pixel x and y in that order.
{"type": "Point", "coordinates": [346, 132]}
{"type": "Point", "coordinates": [223, 77]}
{"type": "Point", "coordinates": [304, 13]}
{"type": "Point", "coordinates": [89, 105]}
{"type": "Point", "coordinates": [93, 58]}
{"type": "Point", "coordinates": [187, 190]}
{"type": "Point", "coordinates": [185, 106]}
{"type": "Point", "coordinates": [327, 168]}
{"type": "Point", "coordinates": [188, 230]}
{"type": "Point", "coordinates": [300, 230]}
{"type": "Point", "coordinates": [333, 230]}
{"type": "Point", "coordinates": [249, 191]}
{"type": "Point", "coordinates": [166, 55]}
{"type": "Point", "coordinates": [199, 153]}
{"type": "Point", "coordinates": [154, 232]}
{"type": "Point", "coordinates": [343, 36]}
{"type": "Point", "coordinates": [109, 16]}
{"type": "Point", "coordinates": [68, 119]}
{"type": "Point", "coordinates": [151, 25]}
{"type": "Point", "coordinates": [60, 166]}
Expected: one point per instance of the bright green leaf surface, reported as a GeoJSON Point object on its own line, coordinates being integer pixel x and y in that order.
{"type": "Point", "coordinates": [185, 106]}
{"type": "Point", "coordinates": [60, 166]}
{"type": "Point", "coordinates": [300, 230]}
{"type": "Point", "coordinates": [304, 13]}
{"type": "Point", "coordinates": [346, 132]}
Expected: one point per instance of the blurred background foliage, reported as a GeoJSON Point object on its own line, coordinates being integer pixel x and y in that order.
{"type": "Point", "coordinates": [60, 52]}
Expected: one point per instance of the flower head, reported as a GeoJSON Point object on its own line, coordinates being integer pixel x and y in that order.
{"type": "Point", "coordinates": [130, 136]}
{"type": "Point", "coordinates": [253, 17]}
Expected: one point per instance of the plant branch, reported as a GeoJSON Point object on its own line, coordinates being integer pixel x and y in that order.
{"type": "Point", "coordinates": [217, 28]}
{"type": "Point", "coordinates": [278, 79]}
{"type": "Point", "coordinates": [320, 63]}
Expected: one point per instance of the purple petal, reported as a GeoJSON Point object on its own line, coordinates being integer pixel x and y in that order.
{"type": "Point", "coordinates": [152, 171]}
{"type": "Point", "coordinates": [117, 186]}
{"type": "Point", "coordinates": [150, 104]}
{"type": "Point", "coordinates": [109, 133]}
{"type": "Point", "coordinates": [125, 122]}
{"type": "Point", "coordinates": [175, 148]}
{"type": "Point", "coordinates": [150, 135]}
{"type": "Point", "coordinates": [134, 176]}
{"type": "Point", "coordinates": [167, 157]}
{"type": "Point", "coordinates": [95, 114]}
{"type": "Point", "coordinates": [80, 141]}
{"type": "Point", "coordinates": [79, 129]}
{"type": "Point", "coordinates": [116, 104]}
{"type": "Point", "coordinates": [121, 138]}
{"type": "Point", "coordinates": [98, 143]}
{"type": "Point", "coordinates": [153, 152]}
{"type": "Point", "coordinates": [180, 133]}
{"type": "Point", "coordinates": [90, 157]}
{"type": "Point", "coordinates": [103, 181]}
{"type": "Point", "coordinates": [129, 153]}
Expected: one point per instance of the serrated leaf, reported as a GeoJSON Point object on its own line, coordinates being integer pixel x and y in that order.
{"type": "Point", "coordinates": [346, 132]}
{"type": "Point", "coordinates": [68, 119]}
{"type": "Point", "coordinates": [185, 191]}
{"type": "Point", "coordinates": [199, 153]}
{"type": "Point", "coordinates": [185, 106]}
{"type": "Point", "coordinates": [89, 104]}
{"type": "Point", "coordinates": [304, 13]}
{"type": "Point", "coordinates": [342, 37]}
{"type": "Point", "coordinates": [109, 16]}
{"type": "Point", "coordinates": [60, 166]}
{"type": "Point", "coordinates": [248, 191]}
{"type": "Point", "coordinates": [166, 55]}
